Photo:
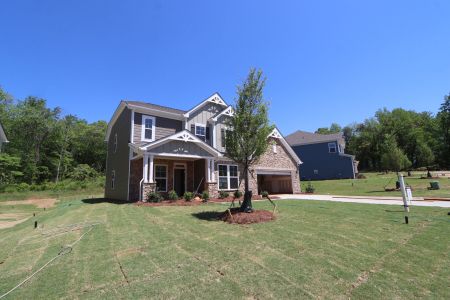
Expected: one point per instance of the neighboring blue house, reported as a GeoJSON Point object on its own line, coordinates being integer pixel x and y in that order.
{"type": "Point", "coordinates": [322, 155]}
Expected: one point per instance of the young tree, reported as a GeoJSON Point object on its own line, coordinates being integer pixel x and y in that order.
{"type": "Point", "coordinates": [393, 158]}
{"type": "Point", "coordinates": [444, 128]}
{"type": "Point", "coordinates": [250, 128]}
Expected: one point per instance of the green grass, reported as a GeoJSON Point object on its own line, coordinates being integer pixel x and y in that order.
{"type": "Point", "coordinates": [313, 250]}
{"type": "Point", "coordinates": [374, 185]}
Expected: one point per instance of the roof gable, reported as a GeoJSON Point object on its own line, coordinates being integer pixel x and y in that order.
{"type": "Point", "coordinates": [214, 98]}
{"type": "Point", "coordinates": [277, 135]}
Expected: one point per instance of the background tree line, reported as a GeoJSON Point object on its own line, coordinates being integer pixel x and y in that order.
{"type": "Point", "coordinates": [46, 146]}
{"type": "Point", "coordinates": [399, 139]}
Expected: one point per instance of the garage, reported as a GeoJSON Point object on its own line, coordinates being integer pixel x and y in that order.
{"type": "Point", "coordinates": [275, 181]}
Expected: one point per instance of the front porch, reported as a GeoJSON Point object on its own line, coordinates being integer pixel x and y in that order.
{"type": "Point", "coordinates": [156, 173]}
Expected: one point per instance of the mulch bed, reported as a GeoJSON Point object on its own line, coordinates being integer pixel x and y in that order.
{"type": "Point", "coordinates": [183, 202]}
{"type": "Point", "coordinates": [238, 217]}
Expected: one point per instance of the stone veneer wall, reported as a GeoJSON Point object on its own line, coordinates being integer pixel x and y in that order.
{"type": "Point", "coordinates": [269, 160]}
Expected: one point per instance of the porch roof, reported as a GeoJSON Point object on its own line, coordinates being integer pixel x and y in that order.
{"type": "Point", "coordinates": [177, 145]}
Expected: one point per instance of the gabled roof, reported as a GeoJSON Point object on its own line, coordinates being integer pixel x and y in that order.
{"type": "Point", "coordinates": [184, 136]}
{"type": "Point", "coordinates": [229, 111]}
{"type": "Point", "coordinates": [3, 138]}
{"type": "Point", "coordinates": [214, 98]}
{"type": "Point", "coordinates": [304, 138]}
{"type": "Point", "coordinates": [277, 135]}
{"type": "Point", "coordinates": [155, 107]}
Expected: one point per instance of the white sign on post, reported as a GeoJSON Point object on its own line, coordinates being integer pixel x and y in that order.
{"type": "Point", "coordinates": [409, 194]}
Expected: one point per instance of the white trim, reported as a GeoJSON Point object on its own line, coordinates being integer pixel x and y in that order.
{"type": "Point", "coordinates": [229, 111]}
{"type": "Point", "coordinates": [144, 118]}
{"type": "Point", "coordinates": [228, 176]}
{"type": "Point", "coordinates": [175, 167]}
{"type": "Point", "coordinates": [151, 174]}
{"type": "Point", "coordinates": [277, 135]}
{"type": "Point", "coordinates": [214, 98]}
{"type": "Point", "coordinates": [167, 174]}
{"type": "Point", "coordinates": [334, 146]}
{"type": "Point", "coordinates": [185, 136]}
{"type": "Point", "coordinates": [145, 168]}
{"type": "Point", "coordinates": [214, 135]}
{"type": "Point", "coordinates": [132, 127]}
{"type": "Point", "coordinates": [200, 125]}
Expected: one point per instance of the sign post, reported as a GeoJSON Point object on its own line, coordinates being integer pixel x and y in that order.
{"type": "Point", "coordinates": [405, 196]}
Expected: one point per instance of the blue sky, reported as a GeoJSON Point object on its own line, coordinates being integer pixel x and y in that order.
{"type": "Point", "coordinates": [325, 61]}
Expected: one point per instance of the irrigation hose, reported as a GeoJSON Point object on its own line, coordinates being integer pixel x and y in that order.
{"type": "Point", "coordinates": [64, 250]}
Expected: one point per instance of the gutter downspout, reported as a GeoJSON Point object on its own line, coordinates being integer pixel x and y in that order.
{"type": "Point", "coordinates": [140, 189]}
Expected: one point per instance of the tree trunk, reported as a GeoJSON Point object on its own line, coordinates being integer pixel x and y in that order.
{"type": "Point", "coordinates": [247, 203]}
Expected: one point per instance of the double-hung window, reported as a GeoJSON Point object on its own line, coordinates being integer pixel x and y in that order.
{"type": "Point", "coordinates": [332, 147]}
{"type": "Point", "coordinates": [200, 131]}
{"type": "Point", "coordinates": [148, 128]}
{"type": "Point", "coordinates": [161, 178]}
{"type": "Point", "coordinates": [228, 177]}
{"type": "Point", "coordinates": [223, 136]}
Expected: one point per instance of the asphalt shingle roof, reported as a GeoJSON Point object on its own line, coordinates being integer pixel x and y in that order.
{"type": "Point", "coordinates": [303, 138]}
{"type": "Point", "coordinates": [156, 106]}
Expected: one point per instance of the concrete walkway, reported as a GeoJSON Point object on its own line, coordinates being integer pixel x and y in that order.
{"type": "Point", "coordinates": [417, 201]}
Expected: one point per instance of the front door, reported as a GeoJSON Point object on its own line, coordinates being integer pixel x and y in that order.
{"type": "Point", "coordinates": [179, 181]}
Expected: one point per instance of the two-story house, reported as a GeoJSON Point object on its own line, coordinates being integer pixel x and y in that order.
{"type": "Point", "coordinates": [3, 138]}
{"type": "Point", "coordinates": [157, 148]}
{"type": "Point", "coordinates": [323, 156]}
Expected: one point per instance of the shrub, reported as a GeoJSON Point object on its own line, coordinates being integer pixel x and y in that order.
{"type": "Point", "coordinates": [188, 196]}
{"type": "Point", "coordinates": [154, 197]}
{"type": "Point", "coordinates": [205, 196]}
{"type": "Point", "coordinates": [265, 194]}
{"type": "Point", "coordinates": [83, 172]}
{"type": "Point", "coordinates": [223, 195]}
{"type": "Point", "coordinates": [237, 194]}
{"type": "Point", "coordinates": [172, 195]}
{"type": "Point", "coordinates": [310, 188]}
{"type": "Point", "coordinates": [23, 187]}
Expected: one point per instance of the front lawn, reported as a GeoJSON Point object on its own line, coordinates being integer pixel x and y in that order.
{"type": "Point", "coordinates": [375, 183]}
{"type": "Point", "coordinates": [313, 250]}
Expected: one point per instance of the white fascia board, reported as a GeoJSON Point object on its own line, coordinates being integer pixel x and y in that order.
{"type": "Point", "coordinates": [229, 111]}
{"type": "Point", "coordinates": [277, 135]}
{"type": "Point", "coordinates": [185, 136]}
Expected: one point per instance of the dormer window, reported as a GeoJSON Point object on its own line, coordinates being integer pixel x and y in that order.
{"type": "Point", "coordinates": [148, 128]}
{"type": "Point", "coordinates": [331, 147]}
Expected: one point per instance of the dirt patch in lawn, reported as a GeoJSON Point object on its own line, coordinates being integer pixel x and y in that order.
{"type": "Point", "coordinates": [12, 219]}
{"type": "Point", "coordinates": [235, 216]}
{"type": "Point", "coordinates": [40, 203]}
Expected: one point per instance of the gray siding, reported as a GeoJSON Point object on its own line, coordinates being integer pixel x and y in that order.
{"type": "Point", "coordinates": [180, 147]}
{"type": "Point", "coordinates": [328, 165]}
{"type": "Point", "coordinates": [163, 127]}
{"type": "Point", "coordinates": [221, 124]}
{"type": "Point", "coordinates": [206, 112]}
{"type": "Point", "coordinates": [119, 160]}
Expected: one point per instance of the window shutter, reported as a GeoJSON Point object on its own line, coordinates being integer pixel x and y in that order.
{"type": "Point", "coordinates": [193, 129]}
{"type": "Point", "coordinates": [222, 135]}
{"type": "Point", "coordinates": [207, 133]}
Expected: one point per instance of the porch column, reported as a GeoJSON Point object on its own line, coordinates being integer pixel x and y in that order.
{"type": "Point", "coordinates": [145, 167]}
{"type": "Point", "coordinates": [213, 175]}
{"type": "Point", "coordinates": [150, 179]}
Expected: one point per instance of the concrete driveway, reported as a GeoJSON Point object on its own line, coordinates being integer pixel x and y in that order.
{"type": "Point", "coordinates": [367, 200]}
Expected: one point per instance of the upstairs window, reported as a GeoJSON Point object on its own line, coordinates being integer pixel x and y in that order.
{"type": "Point", "coordinates": [115, 143]}
{"type": "Point", "coordinates": [148, 128]}
{"type": "Point", "coordinates": [331, 147]}
{"type": "Point", "coordinates": [223, 136]}
{"type": "Point", "coordinates": [200, 131]}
